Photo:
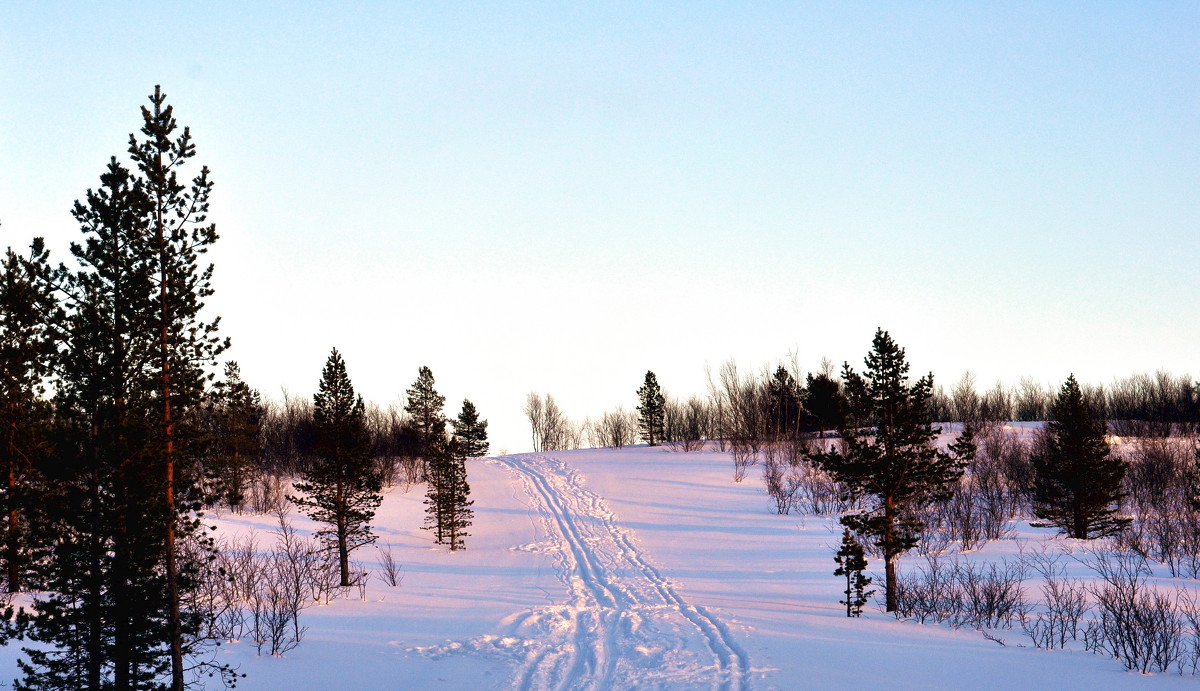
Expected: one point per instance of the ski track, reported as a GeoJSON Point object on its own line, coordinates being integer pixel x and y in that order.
{"type": "Point", "coordinates": [624, 623]}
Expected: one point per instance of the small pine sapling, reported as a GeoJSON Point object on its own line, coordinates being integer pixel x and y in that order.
{"type": "Point", "coordinates": [852, 562]}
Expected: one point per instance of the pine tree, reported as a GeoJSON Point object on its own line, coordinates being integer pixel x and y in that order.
{"type": "Point", "coordinates": [342, 485]}
{"type": "Point", "coordinates": [470, 431]}
{"type": "Point", "coordinates": [104, 616]}
{"type": "Point", "coordinates": [236, 415]}
{"type": "Point", "coordinates": [27, 346]}
{"type": "Point", "coordinates": [651, 411]}
{"type": "Point", "coordinates": [890, 458]}
{"type": "Point", "coordinates": [437, 472]}
{"type": "Point", "coordinates": [127, 478]}
{"type": "Point", "coordinates": [447, 497]}
{"type": "Point", "coordinates": [852, 563]}
{"type": "Point", "coordinates": [1077, 482]}
{"type": "Point", "coordinates": [425, 406]}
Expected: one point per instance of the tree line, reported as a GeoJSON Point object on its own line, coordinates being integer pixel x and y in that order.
{"type": "Point", "coordinates": [864, 445]}
{"type": "Point", "coordinates": [118, 437]}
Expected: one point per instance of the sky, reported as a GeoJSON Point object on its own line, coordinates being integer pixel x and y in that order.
{"type": "Point", "coordinates": [558, 197]}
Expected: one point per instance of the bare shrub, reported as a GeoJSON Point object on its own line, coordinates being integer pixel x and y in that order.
{"type": "Point", "coordinates": [409, 469]}
{"type": "Point", "coordinates": [992, 595]}
{"type": "Point", "coordinates": [745, 455]}
{"type": "Point", "coordinates": [963, 517]}
{"type": "Point", "coordinates": [391, 571]}
{"type": "Point", "coordinates": [261, 594]}
{"type": "Point", "coordinates": [1004, 473]}
{"type": "Point", "coordinates": [688, 424]}
{"type": "Point", "coordinates": [1138, 625]}
{"type": "Point", "coordinates": [268, 493]}
{"type": "Point", "coordinates": [929, 593]}
{"type": "Point", "coordinates": [781, 477]}
{"type": "Point", "coordinates": [1156, 469]}
{"type": "Point", "coordinates": [1063, 604]}
{"type": "Point", "coordinates": [817, 492]}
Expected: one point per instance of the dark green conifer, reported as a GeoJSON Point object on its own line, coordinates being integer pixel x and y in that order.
{"type": "Point", "coordinates": [852, 563]}
{"type": "Point", "coordinates": [1077, 482]}
{"type": "Point", "coordinates": [651, 411]}
{"type": "Point", "coordinates": [470, 431]}
{"type": "Point", "coordinates": [341, 486]}
{"type": "Point", "coordinates": [890, 458]}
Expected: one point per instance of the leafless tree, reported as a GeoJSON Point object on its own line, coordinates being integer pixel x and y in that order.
{"type": "Point", "coordinates": [615, 428]}
{"type": "Point", "coordinates": [1031, 400]}
{"type": "Point", "coordinates": [551, 429]}
{"type": "Point", "coordinates": [965, 400]}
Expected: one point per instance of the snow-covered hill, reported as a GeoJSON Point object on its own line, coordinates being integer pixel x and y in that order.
{"type": "Point", "coordinates": [634, 568]}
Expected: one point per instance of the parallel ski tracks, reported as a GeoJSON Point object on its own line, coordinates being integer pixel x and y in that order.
{"type": "Point", "coordinates": [612, 586]}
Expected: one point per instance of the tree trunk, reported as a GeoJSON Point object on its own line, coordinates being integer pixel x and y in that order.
{"type": "Point", "coordinates": [889, 556]}
{"type": "Point", "coordinates": [344, 558]}
{"type": "Point", "coordinates": [172, 568]}
{"type": "Point", "coordinates": [12, 549]}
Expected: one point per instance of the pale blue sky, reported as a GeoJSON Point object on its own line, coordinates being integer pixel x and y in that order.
{"type": "Point", "coordinates": [557, 197]}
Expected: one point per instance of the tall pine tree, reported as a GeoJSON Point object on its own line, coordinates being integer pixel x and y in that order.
{"type": "Point", "coordinates": [890, 458]}
{"type": "Point", "coordinates": [342, 485]}
{"type": "Point", "coordinates": [470, 431]}
{"type": "Point", "coordinates": [186, 345]}
{"type": "Point", "coordinates": [652, 417]}
{"type": "Point", "coordinates": [1077, 482]}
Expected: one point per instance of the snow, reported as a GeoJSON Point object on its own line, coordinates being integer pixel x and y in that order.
{"type": "Point", "coordinates": [633, 568]}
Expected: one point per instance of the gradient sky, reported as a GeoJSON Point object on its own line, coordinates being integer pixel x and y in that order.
{"type": "Point", "coordinates": [556, 197]}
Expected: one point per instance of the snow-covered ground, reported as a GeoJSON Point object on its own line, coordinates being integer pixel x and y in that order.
{"type": "Point", "coordinates": [634, 568]}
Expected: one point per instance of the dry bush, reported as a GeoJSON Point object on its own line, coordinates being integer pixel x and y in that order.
{"type": "Point", "coordinates": [1139, 625]}
{"type": "Point", "coordinates": [390, 569]}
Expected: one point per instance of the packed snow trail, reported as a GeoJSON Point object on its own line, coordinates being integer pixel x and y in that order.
{"type": "Point", "coordinates": [623, 624]}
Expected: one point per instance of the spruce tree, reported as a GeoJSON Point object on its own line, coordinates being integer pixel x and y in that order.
{"type": "Point", "coordinates": [470, 431]}
{"type": "Point", "coordinates": [342, 486]}
{"type": "Point", "coordinates": [890, 458]}
{"type": "Point", "coordinates": [1077, 482]}
{"type": "Point", "coordinates": [852, 563]}
{"type": "Point", "coordinates": [651, 411]}
{"type": "Point", "coordinates": [425, 406]}
{"type": "Point", "coordinates": [27, 346]}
